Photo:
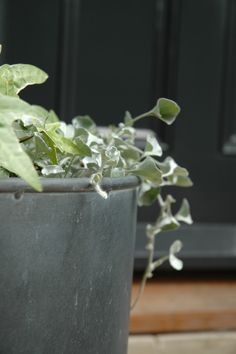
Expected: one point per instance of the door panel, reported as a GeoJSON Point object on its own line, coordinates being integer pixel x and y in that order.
{"type": "Point", "coordinates": [31, 35]}
{"type": "Point", "coordinates": [109, 56]}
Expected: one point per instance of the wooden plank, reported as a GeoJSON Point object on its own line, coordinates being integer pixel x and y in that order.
{"type": "Point", "coordinates": [184, 343]}
{"type": "Point", "coordinates": [183, 305]}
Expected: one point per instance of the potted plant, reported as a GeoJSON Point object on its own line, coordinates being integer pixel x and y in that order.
{"type": "Point", "coordinates": [68, 223]}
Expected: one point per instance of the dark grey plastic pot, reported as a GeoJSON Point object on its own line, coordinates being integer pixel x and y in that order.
{"type": "Point", "coordinates": [66, 259]}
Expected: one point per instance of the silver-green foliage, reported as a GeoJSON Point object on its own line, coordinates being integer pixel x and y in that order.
{"type": "Point", "coordinates": [34, 143]}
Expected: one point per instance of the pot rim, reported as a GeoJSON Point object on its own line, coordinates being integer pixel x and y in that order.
{"type": "Point", "coordinates": [68, 185]}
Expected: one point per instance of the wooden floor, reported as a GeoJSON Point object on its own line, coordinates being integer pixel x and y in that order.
{"type": "Point", "coordinates": [185, 305]}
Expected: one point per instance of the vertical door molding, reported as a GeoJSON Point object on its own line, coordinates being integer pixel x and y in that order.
{"type": "Point", "coordinates": [3, 10]}
{"type": "Point", "coordinates": [167, 31]}
{"type": "Point", "coordinates": [68, 58]}
{"type": "Point", "coordinates": [228, 109]}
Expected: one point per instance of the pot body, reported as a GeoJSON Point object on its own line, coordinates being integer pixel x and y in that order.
{"type": "Point", "coordinates": [66, 260]}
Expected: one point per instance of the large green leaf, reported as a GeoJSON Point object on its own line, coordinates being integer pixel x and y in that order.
{"type": "Point", "coordinates": [14, 159]}
{"type": "Point", "coordinates": [12, 156]}
{"type": "Point", "coordinates": [45, 146]}
{"type": "Point", "coordinates": [14, 78]}
{"type": "Point", "coordinates": [67, 145]}
{"type": "Point", "coordinates": [3, 173]}
{"type": "Point", "coordinates": [12, 108]}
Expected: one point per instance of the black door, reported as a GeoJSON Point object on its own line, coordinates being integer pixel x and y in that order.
{"type": "Point", "coordinates": [104, 57]}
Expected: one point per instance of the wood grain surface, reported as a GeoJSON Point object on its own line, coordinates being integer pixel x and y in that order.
{"type": "Point", "coordinates": [184, 305]}
{"type": "Point", "coordinates": [184, 343]}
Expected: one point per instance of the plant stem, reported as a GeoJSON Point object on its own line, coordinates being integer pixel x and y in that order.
{"type": "Point", "coordinates": [160, 200]}
{"type": "Point", "coordinates": [147, 114]}
{"type": "Point", "coordinates": [147, 273]}
{"type": "Point", "coordinates": [151, 266]}
{"type": "Point", "coordinates": [69, 166]}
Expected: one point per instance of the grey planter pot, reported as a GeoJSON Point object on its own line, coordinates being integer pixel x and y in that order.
{"type": "Point", "coordinates": [66, 259]}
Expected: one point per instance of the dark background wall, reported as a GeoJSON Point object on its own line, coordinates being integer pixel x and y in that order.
{"type": "Point", "coordinates": [105, 57]}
